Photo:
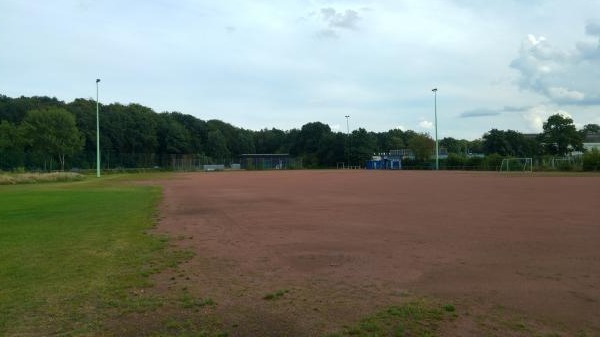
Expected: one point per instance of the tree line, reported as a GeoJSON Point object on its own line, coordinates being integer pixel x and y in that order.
{"type": "Point", "coordinates": [43, 133]}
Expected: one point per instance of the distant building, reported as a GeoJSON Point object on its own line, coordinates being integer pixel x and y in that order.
{"type": "Point", "coordinates": [266, 161]}
{"type": "Point", "coordinates": [386, 161]}
{"type": "Point", "coordinates": [592, 141]}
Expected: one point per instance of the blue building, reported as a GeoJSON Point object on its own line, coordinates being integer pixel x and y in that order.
{"type": "Point", "coordinates": [386, 161]}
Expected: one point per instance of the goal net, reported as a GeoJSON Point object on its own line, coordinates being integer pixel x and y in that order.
{"type": "Point", "coordinates": [516, 165]}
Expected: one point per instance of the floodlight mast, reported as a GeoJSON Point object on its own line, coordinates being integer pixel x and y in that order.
{"type": "Point", "coordinates": [97, 131]}
{"type": "Point", "coordinates": [437, 152]}
{"type": "Point", "coordinates": [347, 139]}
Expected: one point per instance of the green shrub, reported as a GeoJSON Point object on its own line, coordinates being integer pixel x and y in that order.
{"type": "Point", "coordinates": [591, 160]}
{"type": "Point", "coordinates": [492, 162]}
{"type": "Point", "coordinates": [474, 163]}
{"type": "Point", "coordinates": [455, 161]}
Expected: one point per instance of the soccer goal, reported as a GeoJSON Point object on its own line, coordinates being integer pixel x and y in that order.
{"type": "Point", "coordinates": [558, 163]}
{"type": "Point", "coordinates": [516, 165]}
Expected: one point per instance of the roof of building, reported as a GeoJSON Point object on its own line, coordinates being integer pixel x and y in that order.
{"type": "Point", "coordinates": [260, 155]}
{"type": "Point", "coordinates": [592, 138]}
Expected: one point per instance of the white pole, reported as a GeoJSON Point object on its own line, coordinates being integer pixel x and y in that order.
{"type": "Point", "coordinates": [97, 132]}
{"type": "Point", "coordinates": [348, 140]}
{"type": "Point", "coordinates": [437, 152]}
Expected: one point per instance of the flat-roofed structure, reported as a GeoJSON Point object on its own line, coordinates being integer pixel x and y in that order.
{"type": "Point", "coordinates": [268, 161]}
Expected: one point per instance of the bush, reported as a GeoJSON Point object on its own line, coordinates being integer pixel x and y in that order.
{"type": "Point", "coordinates": [591, 160]}
{"type": "Point", "coordinates": [492, 162]}
{"type": "Point", "coordinates": [455, 161]}
{"type": "Point", "coordinates": [33, 178]}
{"type": "Point", "coordinates": [475, 163]}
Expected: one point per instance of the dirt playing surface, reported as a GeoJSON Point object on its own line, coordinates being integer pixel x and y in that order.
{"type": "Point", "coordinates": [344, 244]}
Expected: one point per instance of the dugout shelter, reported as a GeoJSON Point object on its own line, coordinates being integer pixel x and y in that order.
{"type": "Point", "coordinates": [265, 161]}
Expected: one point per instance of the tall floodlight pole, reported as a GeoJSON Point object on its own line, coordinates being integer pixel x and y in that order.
{"type": "Point", "coordinates": [437, 152]}
{"type": "Point", "coordinates": [348, 139]}
{"type": "Point", "coordinates": [97, 131]}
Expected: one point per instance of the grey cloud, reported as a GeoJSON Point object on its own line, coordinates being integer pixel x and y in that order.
{"type": "Point", "coordinates": [335, 21]}
{"type": "Point", "coordinates": [491, 112]}
{"type": "Point", "coordinates": [590, 51]}
{"type": "Point", "coordinates": [346, 20]}
{"type": "Point", "coordinates": [593, 28]}
{"type": "Point", "coordinates": [515, 108]}
{"type": "Point", "coordinates": [479, 113]}
{"type": "Point", "coordinates": [564, 77]}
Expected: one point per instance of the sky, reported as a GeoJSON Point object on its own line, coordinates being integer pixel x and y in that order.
{"type": "Point", "coordinates": [281, 64]}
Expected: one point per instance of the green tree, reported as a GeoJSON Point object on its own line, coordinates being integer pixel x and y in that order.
{"type": "Point", "coordinates": [269, 141]}
{"type": "Point", "coordinates": [245, 142]}
{"type": "Point", "coordinates": [390, 140]}
{"type": "Point", "coordinates": [459, 146]}
{"type": "Point", "coordinates": [364, 144]}
{"type": "Point", "coordinates": [12, 145]}
{"type": "Point", "coordinates": [495, 141]}
{"type": "Point", "coordinates": [52, 132]}
{"type": "Point", "coordinates": [14, 110]}
{"type": "Point", "coordinates": [311, 142]}
{"type": "Point", "coordinates": [217, 146]}
{"type": "Point", "coordinates": [421, 145]}
{"type": "Point", "coordinates": [509, 143]}
{"type": "Point", "coordinates": [85, 116]}
{"type": "Point", "coordinates": [475, 146]}
{"type": "Point", "coordinates": [591, 128]}
{"type": "Point", "coordinates": [173, 138]}
{"type": "Point", "coordinates": [560, 137]}
{"type": "Point", "coordinates": [520, 145]}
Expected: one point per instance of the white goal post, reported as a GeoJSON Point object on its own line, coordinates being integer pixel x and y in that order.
{"type": "Point", "coordinates": [516, 164]}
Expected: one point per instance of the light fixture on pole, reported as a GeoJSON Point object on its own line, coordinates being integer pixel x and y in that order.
{"type": "Point", "coordinates": [97, 131]}
{"type": "Point", "coordinates": [347, 139]}
{"type": "Point", "coordinates": [437, 151]}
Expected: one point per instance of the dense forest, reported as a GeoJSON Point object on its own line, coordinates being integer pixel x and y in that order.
{"type": "Point", "coordinates": [43, 133]}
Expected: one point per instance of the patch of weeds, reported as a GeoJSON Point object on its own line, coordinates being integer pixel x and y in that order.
{"type": "Point", "coordinates": [140, 304]}
{"type": "Point", "coordinates": [583, 333]}
{"type": "Point", "coordinates": [500, 321]}
{"type": "Point", "coordinates": [35, 178]}
{"type": "Point", "coordinates": [275, 295]}
{"type": "Point", "coordinates": [449, 308]}
{"type": "Point", "coordinates": [176, 326]}
{"type": "Point", "coordinates": [519, 326]}
{"type": "Point", "coordinates": [418, 318]}
{"type": "Point", "coordinates": [188, 301]}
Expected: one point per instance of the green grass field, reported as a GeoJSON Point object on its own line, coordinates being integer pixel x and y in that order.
{"type": "Point", "coordinates": [73, 252]}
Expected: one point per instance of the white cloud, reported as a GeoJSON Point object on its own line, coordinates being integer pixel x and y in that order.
{"type": "Point", "coordinates": [426, 124]}
{"type": "Point", "coordinates": [562, 94]}
{"type": "Point", "coordinates": [562, 76]}
{"type": "Point", "coordinates": [535, 41]}
{"type": "Point", "coordinates": [537, 115]}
